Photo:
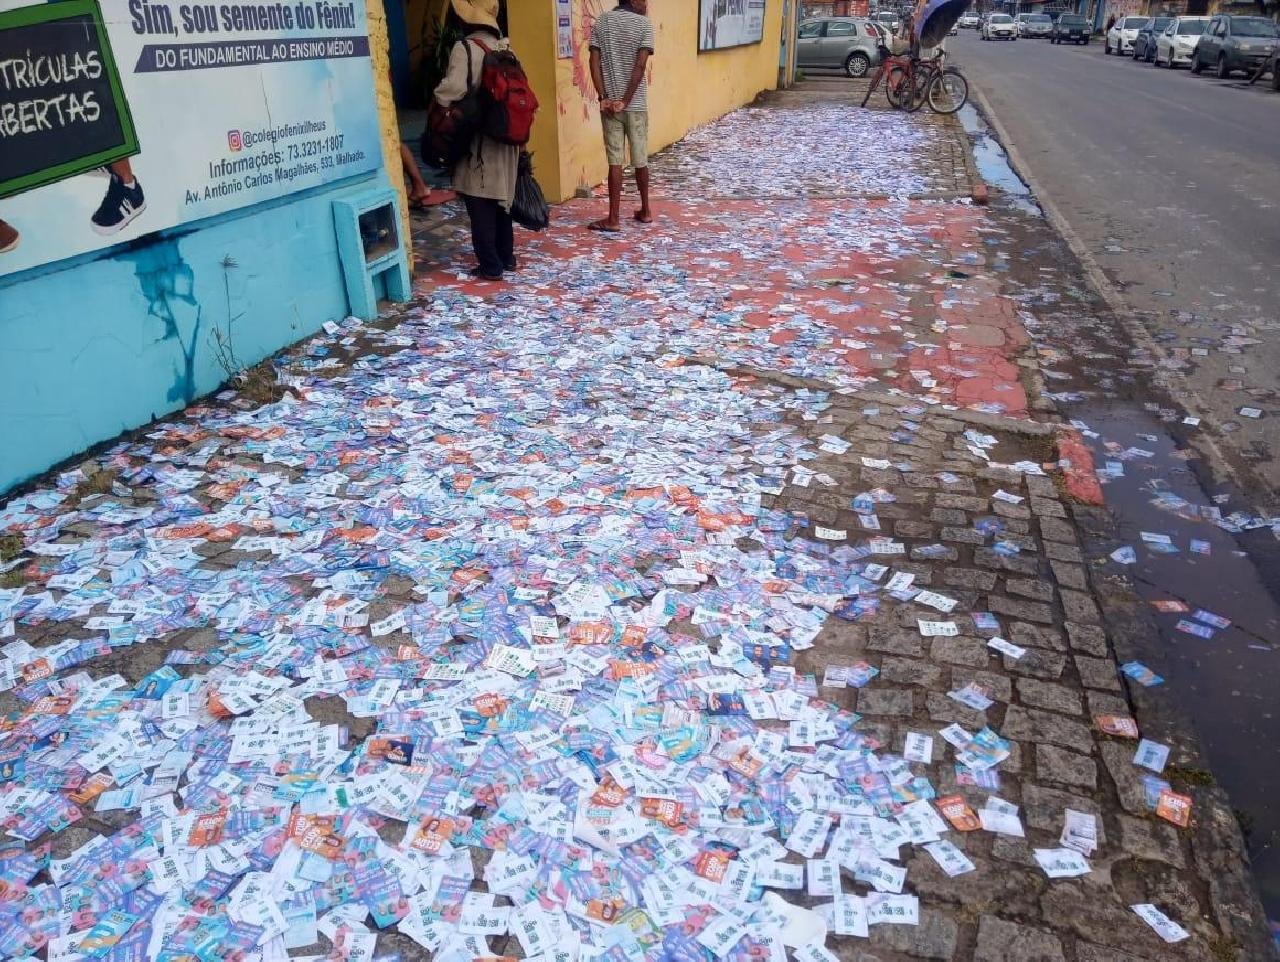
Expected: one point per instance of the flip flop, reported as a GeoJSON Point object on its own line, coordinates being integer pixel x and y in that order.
{"type": "Point", "coordinates": [642, 220]}
{"type": "Point", "coordinates": [603, 227]}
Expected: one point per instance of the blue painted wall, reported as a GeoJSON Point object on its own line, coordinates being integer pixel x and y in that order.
{"type": "Point", "coordinates": [101, 345]}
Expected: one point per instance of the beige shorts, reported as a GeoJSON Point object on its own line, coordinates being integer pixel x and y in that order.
{"type": "Point", "coordinates": [632, 126]}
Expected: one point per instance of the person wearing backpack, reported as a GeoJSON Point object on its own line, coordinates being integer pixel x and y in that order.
{"type": "Point", "coordinates": [490, 111]}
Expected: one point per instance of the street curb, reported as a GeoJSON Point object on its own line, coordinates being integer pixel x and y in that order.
{"type": "Point", "coordinates": [1111, 295]}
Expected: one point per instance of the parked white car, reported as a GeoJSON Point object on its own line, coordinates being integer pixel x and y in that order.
{"type": "Point", "coordinates": [969, 21]}
{"type": "Point", "coordinates": [1177, 42]}
{"type": "Point", "coordinates": [999, 26]}
{"type": "Point", "coordinates": [1122, 34]}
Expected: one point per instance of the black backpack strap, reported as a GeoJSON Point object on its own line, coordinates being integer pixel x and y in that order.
{"type": "Point", "coordinates": [467, 48]}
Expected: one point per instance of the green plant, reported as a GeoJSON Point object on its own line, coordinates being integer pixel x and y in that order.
{"type": "Point", "coordinates": [223, 341]}
{"type": "Point", "coordinates": [441, 35]}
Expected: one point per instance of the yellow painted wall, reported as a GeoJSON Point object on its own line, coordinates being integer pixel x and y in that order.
{"type": "Point", "coordinates": [685, 88]}
{"type": "Point", "coordinates": [381, 62]}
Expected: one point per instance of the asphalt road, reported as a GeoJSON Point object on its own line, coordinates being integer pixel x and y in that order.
{"type": "Point", "coordinates": [1173, 183]}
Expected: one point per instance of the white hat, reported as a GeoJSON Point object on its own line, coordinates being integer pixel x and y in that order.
{"type": "Point", "coordinates": [477, 13]}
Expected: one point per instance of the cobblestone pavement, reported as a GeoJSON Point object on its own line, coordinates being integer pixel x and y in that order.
{"type": "Point", "coordinates": [730, 419]}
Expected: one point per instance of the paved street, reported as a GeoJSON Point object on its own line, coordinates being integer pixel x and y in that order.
{"type": "Point", "coordinates": [1173, 184]}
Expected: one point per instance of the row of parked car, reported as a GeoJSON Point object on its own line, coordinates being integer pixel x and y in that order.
{"type": "Point", "coordinates": [1067, 28]}
{"type": "Point", "coordinates": [1225, 44]}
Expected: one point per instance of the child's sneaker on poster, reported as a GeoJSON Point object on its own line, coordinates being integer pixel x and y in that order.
{"type": "Point", "coordinates": [119, 208]}
{"type": "Point", "coordinates": [8, 237]}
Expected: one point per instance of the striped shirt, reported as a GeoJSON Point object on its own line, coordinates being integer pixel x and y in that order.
{"type": "Point", "coordinates": [620, 35]}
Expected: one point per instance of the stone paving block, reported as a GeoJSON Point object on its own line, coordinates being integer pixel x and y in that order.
{"type": "Point", "coordinates": [1047, 507]}
{"type": "Point", "coordinates": [988, 558]}
{"type": "Point", "coordinates": [913, 529]}
{"type": "Point", "coordinates": [948, 516]}
{"type": "Point", "coordinates": [1014, 889]}
{"type": "Point", "coordinates": [961, 651]}
{"type": "Point", "coordinates": [1009, 848]}
{"type": "Point", "coordinates": [1069, 768]}
{"type": "Point", "coordinates": [1034, 589]}
{"type": "Point", "coordinates": [1054, 529]}
{"type": "Point", "coordinates": [1026, 610]}
{"type": "Point", "coordinates": [1042, 808]}
{"type": "Point", "coordinates": [922, 481]}
{"type": "Point", "coordinates": [1118, 757]}
{"type": "Point", "coordinates": [998, 686]}
{"type": "Point", "coordinates": [1103, 703]}
{"type": "Point", "coordinates": [1037, 663]}
{"type": "Point", "coordinates": [1001, 941]}
{"type": "Point", "coordinates": [1005, 510]}
{"type": "Point", "coordinates": [1091, 639]}
{"type": "Point", "coordinates": [1080, 608]}
{"type": "Point", "coordinates": [1152, 839]}
{"type": "Point", "coordinates": [1063, 552]}
{"type": "Point", "coordinates": [959, 535]}
{"type": "Point", "coordinates": [886, 701]}
{"type": "Point", "coordinates": [1088, 952]}
{"type": "Point", "coordinates": [1041, 487]}
{"type": "Point", "coordinates": [1044, 694]}
{"type": "Point", "coordinates": [1036, 636]}
{"type": "Point", "coordinates": [962, 502]}
{"type": "Point", "coordinates": [934, 938]}
{"type": "Point", "coordinates": [897, 641]}
{"type": "Point", "coordinates": [947, 710]}
{"type": "Point", "coordinates": [1098, 673]}
{"type": "Point", "coordinates": [1020, 538]}
{"type": "Point", "coordinates": [1100, 917]}
{"type": "Point", "coordinates": [908, 671]}
{"type": "Point", "coordinates": [1069, 575]}
{"type": "Point", "coordinates": [1034, 725]}
{"type": "Point", "coordinates": [970, 578]}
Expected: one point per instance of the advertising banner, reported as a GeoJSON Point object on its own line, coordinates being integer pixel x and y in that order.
{"type": "Point", "coordinates": [729, 23]}
{"type": "Point", "coordinates": [131, 116]}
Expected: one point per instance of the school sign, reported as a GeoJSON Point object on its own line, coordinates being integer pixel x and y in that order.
{"type": "Point", "coordinates": [147, 115]}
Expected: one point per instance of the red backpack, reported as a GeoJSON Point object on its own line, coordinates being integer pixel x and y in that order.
{"type": "Point", "coordinates": [507, 101]}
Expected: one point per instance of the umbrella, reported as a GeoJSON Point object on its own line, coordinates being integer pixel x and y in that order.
{"type": "Point", "coordinates": [936, 20]}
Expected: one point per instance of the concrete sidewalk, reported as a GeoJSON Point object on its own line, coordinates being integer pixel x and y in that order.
{"type": "Point", "coordinates": [794, 432]}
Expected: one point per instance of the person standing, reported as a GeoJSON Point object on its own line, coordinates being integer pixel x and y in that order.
{"type": "Point", "coordinates": [621, 45]}
{"type": "Point", "coordinates": [486, 177]}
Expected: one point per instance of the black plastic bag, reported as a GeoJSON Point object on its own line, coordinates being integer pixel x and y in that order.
{"type": "Point", "coordinates": [529, 209]}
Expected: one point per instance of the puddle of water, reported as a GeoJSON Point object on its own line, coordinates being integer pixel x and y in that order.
{"type": "Point", "coordinates": [992, 162]}
{"type": "Point", "coordinates": [1226, 684]}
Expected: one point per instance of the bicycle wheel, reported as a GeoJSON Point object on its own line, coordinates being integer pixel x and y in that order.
{"type": "Point", "coordinates": [948, 91]}
{"type": "Point", "coordinates": [913, 99]}
{"type": "Point", "coordinates": [896, 83]}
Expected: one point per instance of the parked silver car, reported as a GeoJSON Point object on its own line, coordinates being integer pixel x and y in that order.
{"type": "Point", "coordinates": [1032, 25]}
{"type": "Point", "coordinates": [846, 42]}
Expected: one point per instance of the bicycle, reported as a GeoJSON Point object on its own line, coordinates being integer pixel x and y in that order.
{"type": "Point", "coordinates": [911, 82]}
{"type": "Point", "coordinates": [895, 71]}
{"type": "Point", "coordinates": [943, 87]}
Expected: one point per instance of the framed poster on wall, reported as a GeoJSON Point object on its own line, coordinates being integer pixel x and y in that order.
{"type": "Point", "coordinates": [729, 23]}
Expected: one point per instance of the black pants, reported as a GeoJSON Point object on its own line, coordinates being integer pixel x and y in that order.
{"type": "Point", "coordinates": [492, 234]}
